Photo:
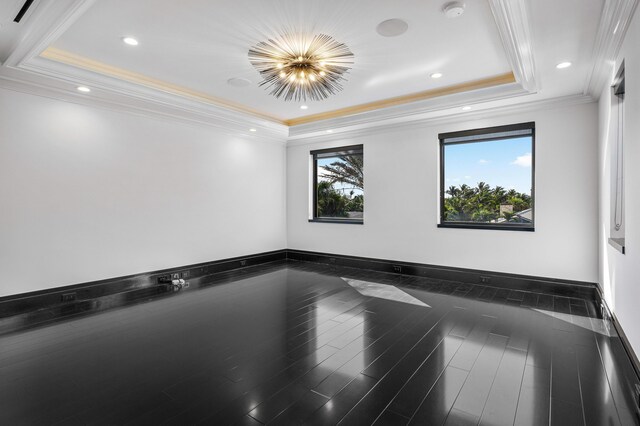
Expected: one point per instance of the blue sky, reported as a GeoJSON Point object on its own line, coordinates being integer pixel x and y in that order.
{"type": "Point", "coordinates": [506, 163]}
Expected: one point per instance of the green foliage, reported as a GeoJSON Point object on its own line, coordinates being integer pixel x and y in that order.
{"type": "Point", "coordinates": [331, 203]}
{"type": "Point", "coordinates": [356, 203]}
{"type": "Point", "coordinates": [347, 170]}
{"type": "Point", "coordinates": [482, 203]}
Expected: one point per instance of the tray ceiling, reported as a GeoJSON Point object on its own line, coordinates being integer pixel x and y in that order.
{"type": "Point", "coordinates": [199, 45]}
{"type": "Point", "coordinates": [498, 53]}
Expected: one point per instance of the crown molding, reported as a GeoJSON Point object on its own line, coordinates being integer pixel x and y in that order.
{"type": "Point", "coordinates": [186, 112]}
{"type": "Point", "coordinates": [468, 86]}
{"type": "Point", "coordinates": [119, 78]}
{"type": "Point", "coordinates": [27, 70]}
{"type": "Point", "coordinates": [452, 116]}
{"type": "Point", "coordinates": [512, 20]}
{"type": "Point", "coordinates": [614, 22]}
{"type": "Point", "coordinates": [406, 113]}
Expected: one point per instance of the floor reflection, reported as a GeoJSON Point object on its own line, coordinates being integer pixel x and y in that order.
{"type": "Point", "coordinates": [297, 343]}
{"type": "Point", "coordinates": [383, 291]}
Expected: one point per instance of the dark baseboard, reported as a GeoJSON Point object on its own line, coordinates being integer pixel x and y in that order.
{"type": "Point", "coordinates": [551, 286]}
{"type": "Point", "coordinates": [147, 281]}
{"type": "Point", "coordinates": [626, 344]}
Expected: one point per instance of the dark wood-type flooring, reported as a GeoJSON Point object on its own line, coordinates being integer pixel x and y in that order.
{"type": "Point", "coordinates": [292, 343]}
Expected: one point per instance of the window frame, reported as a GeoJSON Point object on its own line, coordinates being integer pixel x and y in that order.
{"type": "Point", "coordinates": [314, 185]}
{"type": "Point", "coordinates": [479, 132]}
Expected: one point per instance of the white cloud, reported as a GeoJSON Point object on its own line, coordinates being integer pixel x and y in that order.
{"type": "Point", "coordinates": [523, 160]}
{"type": "Point", "coordinates": [483, 162]}
{"type": "Point", "coordinates": [467, 177]}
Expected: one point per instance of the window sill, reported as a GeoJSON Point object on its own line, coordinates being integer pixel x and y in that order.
{"type": "Point", "coordinates": [345, 221]}
{"type": "Point", "coordinates": [493, 227]}
{"type": "Point", "coordinates": [617, 243]}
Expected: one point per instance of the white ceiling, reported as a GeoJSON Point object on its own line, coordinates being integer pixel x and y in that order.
{"type": "Point", "coordinates": [564, 30]}
{"type": "Point", "coordinates": [200, 44]}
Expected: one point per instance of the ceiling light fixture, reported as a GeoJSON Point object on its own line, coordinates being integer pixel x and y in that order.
{"type": "Point", "coordinates": [252, 130]}
{"type": "Point", "coordinates": [300, 68]}
{"type": "Point", "coordinates": [436, 75]}
{"type": "Point", "coordinates": [329, 131]}
{"type": "Point", "coordinates": [130, 41]}
{"type": "Point", "coordinates": [466, 108]}
{"type": "Point", "coordinates": [563, 65]}
{"type": "Point", "coordinates": [83, 89]}
{"type": "Point", "coordinates": [304, 107]}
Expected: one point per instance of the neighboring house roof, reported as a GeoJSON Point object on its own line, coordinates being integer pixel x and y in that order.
{"type": "Point", "coordinates": [522, 216]}
{"type": "Point", "coordinates": [526, 215]}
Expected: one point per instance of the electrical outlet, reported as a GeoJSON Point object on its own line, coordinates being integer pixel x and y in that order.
{"type": "Point", "coordinates": [243, 263]}
{"type": "Point", "coordinates": [485, 280]}
{"type": "Point", "coordinates": [164, 279]}
{"type": "Point", "coordinates": [184, 275]}
{"type": "Point", "coordinates": [397, 269]}
{"type": "Point", "coordinates": [68, 297]}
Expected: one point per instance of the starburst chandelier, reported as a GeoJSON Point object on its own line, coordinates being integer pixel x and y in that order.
{"type": "Point", "coordinates": [298, 69]}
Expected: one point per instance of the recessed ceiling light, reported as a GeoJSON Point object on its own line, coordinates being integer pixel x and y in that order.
{"type": "Point", "coordinates": [466, 108]}
{"type": "Point", "coordinates": [239, 82]}
{"type": "Point", "coordinates": [436, 75]}
{"type": "Point", "coordinates": [83, 89]}
{"type": "Point", "coordinates": [392, 27]}
{"type": "Point", "coordinates": [304, 107]}
{"type": "Point", "coordinates": [562, 65]}
{"type": "Point", "coordinates": [329, 131]}
{"type": "Point", "coordinates": [130, 41]}
{"type": "Point", "coordinates": [453, 9]}
{"type": "Point", "coordinates": [252, 130]}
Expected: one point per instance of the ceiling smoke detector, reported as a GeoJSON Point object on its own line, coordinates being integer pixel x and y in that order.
{"type": "Point", "coordinates": [453, 9]}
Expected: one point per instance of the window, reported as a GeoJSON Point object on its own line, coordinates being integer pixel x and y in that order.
{"type": "Point", "coordinates": [487, 178]}
{"type": "Point", "coordinates": [338, 185]}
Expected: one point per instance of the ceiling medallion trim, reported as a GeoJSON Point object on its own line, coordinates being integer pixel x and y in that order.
{"type": "Point", "coordinates": [299, 68]}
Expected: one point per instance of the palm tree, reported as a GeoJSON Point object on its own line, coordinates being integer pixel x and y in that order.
{"type": "Point", "coordinates": [482, 203]}
{"type": "Point", "coordinates": [348, 170]}
{"type": "Point", "coordinates": [453, 191]}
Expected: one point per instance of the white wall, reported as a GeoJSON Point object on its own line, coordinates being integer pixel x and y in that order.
{"type": "Point", "coordinates": [401, 201]}
{"type": "Point", "coordinates": [87, 194]}
{"type": "Point", "coordinates": [620, 274]}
